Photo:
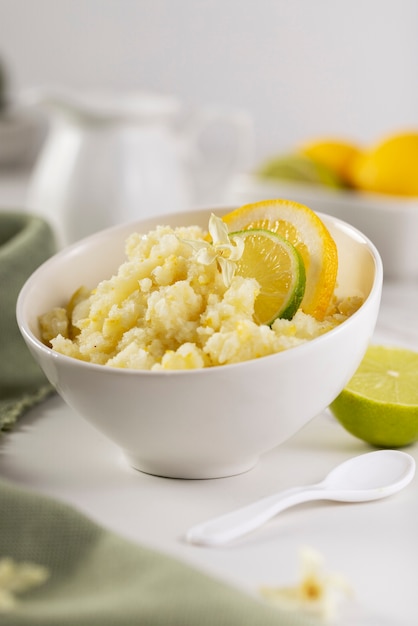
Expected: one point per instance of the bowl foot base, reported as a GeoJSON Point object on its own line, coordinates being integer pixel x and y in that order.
{"type": "Point", "coordinates": [194, 470]}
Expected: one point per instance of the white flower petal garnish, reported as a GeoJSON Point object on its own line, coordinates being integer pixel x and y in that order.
{"type": "Point", "coordinates": [222, 250]}
{"type": "Point", "coordinates": [17, 578]}
{"type": "Point", "coordinates": [316, 594]}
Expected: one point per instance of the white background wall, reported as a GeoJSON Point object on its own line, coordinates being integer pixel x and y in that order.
{"type": "Point", "coordinates": [299, 67]}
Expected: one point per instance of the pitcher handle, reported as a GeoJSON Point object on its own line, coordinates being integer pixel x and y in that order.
{"type": "Point", "coordinates": [215, 164]}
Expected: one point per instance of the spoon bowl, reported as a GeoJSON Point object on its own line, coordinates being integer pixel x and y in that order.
{"type": "Point", "coordinates": [367, 477]}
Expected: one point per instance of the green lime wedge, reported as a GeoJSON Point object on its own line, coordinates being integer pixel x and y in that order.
{"type": "Point", "coordinates": [380, 403]}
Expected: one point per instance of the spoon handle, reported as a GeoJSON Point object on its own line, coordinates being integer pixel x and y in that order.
{"type": "Point", "coordinates": [232, 525]}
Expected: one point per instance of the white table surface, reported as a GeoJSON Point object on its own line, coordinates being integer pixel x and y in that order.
{"type": "Point", "coordinates": [374, 545]}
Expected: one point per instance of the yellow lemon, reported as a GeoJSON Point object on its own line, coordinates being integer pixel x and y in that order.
{"type": "Point", "coordinates": [279, 270]}
{"type": "Point", "coordinates": [335, 154]}
{"type": "Point", "coordinates": [391, 167]}
{"type": "Point", "coordinates": [308, 234]}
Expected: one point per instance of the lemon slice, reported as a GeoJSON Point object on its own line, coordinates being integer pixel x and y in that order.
{"type": "Point", "coordinates": [380, 403]}
{"type": "Point", "coordinates": [308, 234]}
{"type": "Point", "coordinates": [279, 270]}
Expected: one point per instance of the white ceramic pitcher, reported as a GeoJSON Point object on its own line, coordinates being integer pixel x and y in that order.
{"type": "Point", "coordinates": [110, 159]}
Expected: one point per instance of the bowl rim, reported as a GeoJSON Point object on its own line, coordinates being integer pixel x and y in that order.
{"type": "Point", "coordinates": [37, 344]}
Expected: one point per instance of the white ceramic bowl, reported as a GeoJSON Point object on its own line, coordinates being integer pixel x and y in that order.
{"type": "Point", "coordinates": [211, 422]}
{"type": "Point", "coordinates": [390, 222]}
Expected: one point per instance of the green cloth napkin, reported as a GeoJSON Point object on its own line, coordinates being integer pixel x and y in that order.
{"type": "Point", "coordinates": [98, 578]}
{"type": "Point", "coordinates": [25, 242]}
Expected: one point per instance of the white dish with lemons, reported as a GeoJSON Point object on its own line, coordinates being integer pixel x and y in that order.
{"type": "Point", "coordinates": [215, 421]}
{"type": "Point", "coordinates": [373, 187]}
{"type": "Point", "coordinates": [390, 222]}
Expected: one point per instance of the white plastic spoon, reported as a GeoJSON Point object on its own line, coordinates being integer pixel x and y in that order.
{"type": "Point", "coordinates": [366, 477]}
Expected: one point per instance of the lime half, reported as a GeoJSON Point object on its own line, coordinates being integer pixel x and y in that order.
{"type": "Point", "coordinates": [279, 269]}
{"type": "Point", "coordinates": [380, 403]}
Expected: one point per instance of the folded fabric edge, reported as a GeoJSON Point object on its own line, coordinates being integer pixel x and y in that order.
{"type": "Point", "coordinates": [103, 579]}
{"type": "Point", "coordinates": [13, 408]}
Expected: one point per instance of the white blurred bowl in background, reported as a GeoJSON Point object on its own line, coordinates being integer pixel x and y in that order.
{"type": "Point", "coordinates": [390, 222]}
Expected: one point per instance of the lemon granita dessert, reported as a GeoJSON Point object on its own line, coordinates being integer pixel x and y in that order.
{"type": "Point", "coordinates": [189, 298]}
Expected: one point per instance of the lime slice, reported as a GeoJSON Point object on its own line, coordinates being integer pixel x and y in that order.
{"type": "Point", "coordinates": [279, 270]}
{"type": "Point", "coordinates": [380, 403]}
